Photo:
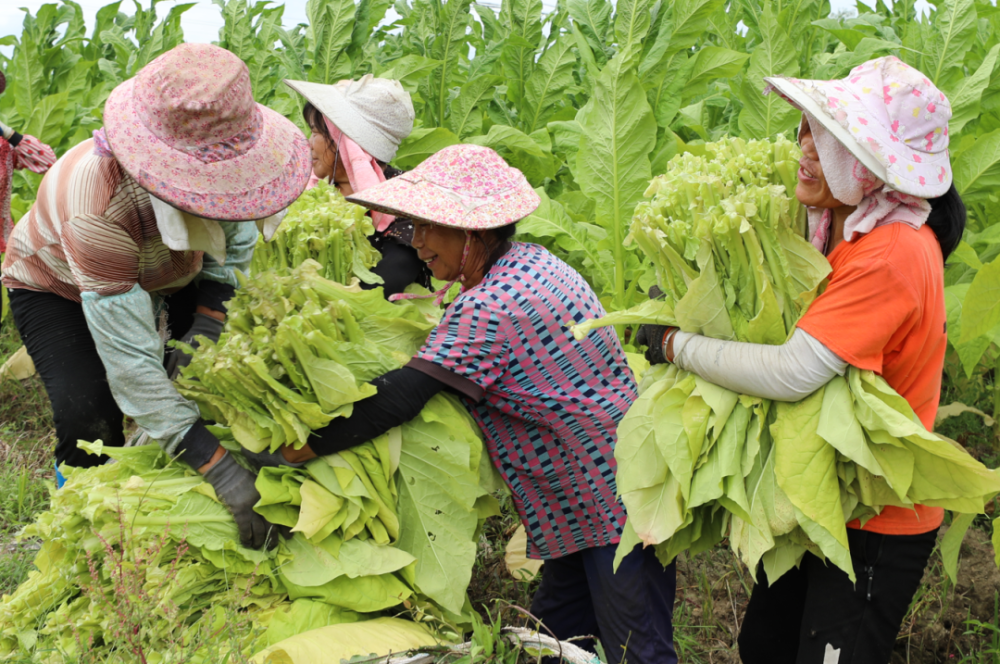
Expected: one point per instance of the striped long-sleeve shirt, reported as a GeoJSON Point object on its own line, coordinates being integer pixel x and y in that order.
{"type": "Point", "coordinates": [92, 237]}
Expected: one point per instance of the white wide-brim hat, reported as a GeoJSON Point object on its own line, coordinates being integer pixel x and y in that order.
{"type": "Point", "coordinates": [375, 113]}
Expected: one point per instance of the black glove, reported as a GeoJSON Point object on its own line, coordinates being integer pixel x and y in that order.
{"type": "Point", "coordinates": [652, 336]}
{"type": "Point", "coordinates": [234, 485]}
{"type": "Point", "coordinates": [203, 325]}
{"type": "Point", "coordinates": [261, 459]}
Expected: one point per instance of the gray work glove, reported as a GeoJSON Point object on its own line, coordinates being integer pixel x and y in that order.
{"type": "Point", "coordinates": [274, 459]}
{"type": "Point", "coordinates": [652, 336]}
{"type": "Point", "coordinates": [234, 485]}
{"type": "Point", "coordinates": [203, 325]}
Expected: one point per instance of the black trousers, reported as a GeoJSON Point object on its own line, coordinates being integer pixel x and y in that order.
{"type": "Point", "coordinates": [813, 611]}
{"type": "Point", "coordinates": [630, 611]}
{"type": "Point", "coordinates": [56, 335]}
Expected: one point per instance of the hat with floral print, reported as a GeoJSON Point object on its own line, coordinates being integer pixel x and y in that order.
{"type": "Point", "coordinates": [186, 127]}
{"type": "Point", "coordinates": [889, 115]}
{"type": "Point", "coordinates": [462, 186]}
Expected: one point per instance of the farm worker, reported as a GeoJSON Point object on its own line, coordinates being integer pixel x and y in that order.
{"type": "Point", "coordinates": [143, 225]}
{"type": "Point", "coordinates": [548, 405]}
{"type": "Point", "coordinates": [876, 177]}
{"type": "Point", "coordinates": [17, 151]}
{"type": "Point", "coordinates": [357, 127]}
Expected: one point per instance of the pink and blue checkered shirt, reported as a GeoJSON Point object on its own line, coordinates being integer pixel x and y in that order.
{"type": "Point", "coordinates": [549, 405]}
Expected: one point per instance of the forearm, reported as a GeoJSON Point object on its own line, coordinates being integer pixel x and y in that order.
{"type": "Point", "coordinates": [788, 372]}
{"type": "Point", "coordinates": [124, 332]}
{"type": "Point", "coordinates": [241, 238]}
{"type": "Point", "coordinates": [9, 134]}
{"type": "Point", "coordinates": [401, 396]}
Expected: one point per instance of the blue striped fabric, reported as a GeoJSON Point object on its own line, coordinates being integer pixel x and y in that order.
{"type": "Point", "coordinates": [552, 404]}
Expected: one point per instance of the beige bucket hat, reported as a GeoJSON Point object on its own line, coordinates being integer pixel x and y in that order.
{"type": "Point", "coordinates": [375, 113]}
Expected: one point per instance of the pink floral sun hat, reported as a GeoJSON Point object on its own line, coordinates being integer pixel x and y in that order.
{"type": "Point", "coordinates": [889, 115]}
{"type": "Point", "coordinates": [186, 127]}
{"type": "Point", "coordinates": [463, 186]}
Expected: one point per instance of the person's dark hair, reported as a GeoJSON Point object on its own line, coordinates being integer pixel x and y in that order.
{"type": "Point", "coordinates": [947, 220]}
{"type": "Point", "coordinates": [496, 242]}
{"type": "Point", "coordinates": [314, 119]}
{"type": "Point", "coordinates": [3, 82]}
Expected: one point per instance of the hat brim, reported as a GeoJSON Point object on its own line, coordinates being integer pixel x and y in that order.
{"type": "Point", "coordinates": [256, 184]}
{"type": "Point", "coordinates": [420, 200]}
{"type": "Point", "coordinates": [798, 98]}
{"type": "Point", "coordinates": [899, 173]}
{"type": "Point", "coordinates": [332, 103]}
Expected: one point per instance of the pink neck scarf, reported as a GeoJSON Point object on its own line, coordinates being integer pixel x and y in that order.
{"type": "Point", "coordinates": [852, 183]}
{"type": "Point", "coordinates": [363, 171]}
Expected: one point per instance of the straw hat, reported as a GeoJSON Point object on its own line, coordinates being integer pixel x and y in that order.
{"type": "Point", "coordinates": [375, 113]}
{"type": "Point", "coordinates": [462, 186]}
{"type": "Point", "coordinates": [188, 130]}
{"type": "Point", "coordinates": [889, 115]}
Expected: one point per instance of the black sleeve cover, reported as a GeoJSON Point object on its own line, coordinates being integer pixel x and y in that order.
{"type": "Point", "coordinates": [401, 395]}
{"type": "Point", "coordinates": [15, 139]}
{"type": "Point", "coordinates": [198, 445]}
{"type": "Point", "coordinates": [214, 295]}
{"type": "Point", "coordinates": [400, 266]}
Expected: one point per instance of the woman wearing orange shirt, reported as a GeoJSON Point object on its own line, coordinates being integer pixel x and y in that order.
{"type": "Point", "coordinates": [876, 179]}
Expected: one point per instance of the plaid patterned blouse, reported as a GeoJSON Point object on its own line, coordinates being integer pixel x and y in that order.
{"type": "Point", "coordinates": [548, 405]}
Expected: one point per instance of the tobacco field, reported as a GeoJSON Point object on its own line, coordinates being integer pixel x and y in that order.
{"type": "Point", "coordinates": [592, 101]}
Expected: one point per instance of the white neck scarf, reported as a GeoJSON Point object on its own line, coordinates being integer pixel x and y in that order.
{"type": "Point", "coordinates": [182, 231]}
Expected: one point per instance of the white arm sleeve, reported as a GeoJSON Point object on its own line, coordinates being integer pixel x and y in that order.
{"type": "Point", "coordinates": [789, 372]}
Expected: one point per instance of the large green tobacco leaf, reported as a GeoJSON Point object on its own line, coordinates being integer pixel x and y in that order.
{"type": "Point", "coordinates": [612, 165]}
{"type": "Point", "coordinates": [977, 170]}
{"type": "Point", "coordinates": [332, 23]}
{"type": "Point", "coordinates": [966, 96]}
{"type": "Point", "coordinates": [632, 21]}
{"type": "Point", "coordinates": [450, 46]}
{"type": "Point", "coordinates": [569, 239]}
{"type": "Point", "coordinates": [592, 18]}
{"type": "Point", "coordinates": [806, 469]}
{"type": "Point", "coordinates": [25, 77]}
{"type": "Point", "coordinates": [664, 83]}
{"type": "Point", "coordinates": [981, 307]}
{"type": "Point", "coordinates": [343, 642]}
{"type": "Point", "coordinates": [422, 143]}
{"type": "Point", "coordinates": [532, 155]}
{"type": "Point", "coordinates": [766, 116]}
{"type": "Point", "coordinates": [438, 490]}
{"type": "Point", "coordinates": [712, 63]}
{"type": "Point", "coordinates": [951, 543]}
{"type": "Point", "coordinates": [466, 117]}
{"type": "Point", "coordinates": [683, 26]}
{"type": "Point", "coordinates": [48, 122]}
{"type": "Point", "coordinates": [969, 351]}
{"type": "Point", "coordinates": [953, 36]}
{"type": "Point", "coordinates": [522, 20]}
{"type": "Point", "coordinates": [547, 84]}
{"type": "Point", "coordinates": [410, 70]}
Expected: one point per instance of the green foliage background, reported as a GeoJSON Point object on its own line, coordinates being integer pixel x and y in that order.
{"type": "Point", "coordinates": [589, 100]}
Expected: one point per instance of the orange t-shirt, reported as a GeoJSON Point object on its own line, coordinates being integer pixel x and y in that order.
{"type": "Point", "coordinates": [884, 311]}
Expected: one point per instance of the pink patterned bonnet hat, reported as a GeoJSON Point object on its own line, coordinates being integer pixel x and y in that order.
{"type": "Point", "coordinates": [462, 186]}
{"type": "Point", "coordinates": [186, 127]}
{"type": "Point", "coordinates": [889, 115]}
